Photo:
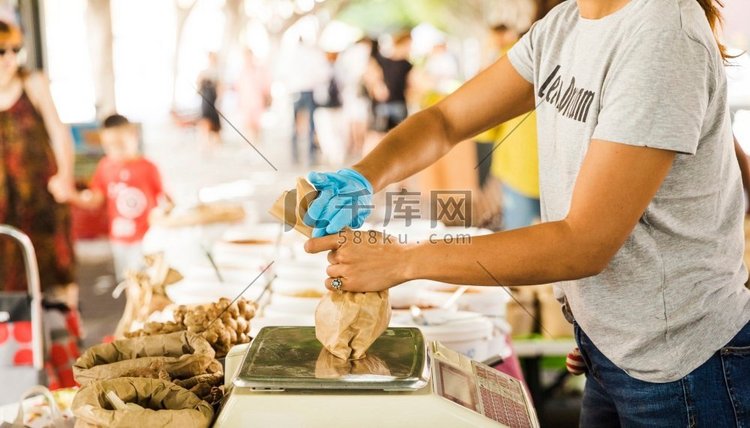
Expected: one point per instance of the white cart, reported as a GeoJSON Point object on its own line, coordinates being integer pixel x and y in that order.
{"type": "Point", "coordinates": [21, 378]}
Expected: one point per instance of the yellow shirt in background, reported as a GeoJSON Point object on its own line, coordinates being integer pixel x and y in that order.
{"type": "Point", "coordinates": [516, 161]}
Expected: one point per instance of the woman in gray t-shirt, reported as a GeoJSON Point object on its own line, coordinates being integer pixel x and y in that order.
{"type": "Point", "coordinates": [641, 199]}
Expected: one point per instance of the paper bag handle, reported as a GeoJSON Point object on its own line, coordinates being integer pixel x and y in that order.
{"type": "Point", "coordinates": [54, 410]}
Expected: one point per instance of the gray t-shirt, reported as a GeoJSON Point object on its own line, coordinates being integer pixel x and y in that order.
{"type": "Point", "coordinates": [647, 75]}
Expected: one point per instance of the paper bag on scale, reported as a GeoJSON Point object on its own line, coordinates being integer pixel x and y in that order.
{"type": "Point", "coordinates": [346, 323]}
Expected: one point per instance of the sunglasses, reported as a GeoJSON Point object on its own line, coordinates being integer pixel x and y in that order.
{"type": "Point", "coordinates": [15, 49]}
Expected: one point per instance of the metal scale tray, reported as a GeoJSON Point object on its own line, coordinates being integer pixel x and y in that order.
{"type": "Point", "coordinates": [281, 358]}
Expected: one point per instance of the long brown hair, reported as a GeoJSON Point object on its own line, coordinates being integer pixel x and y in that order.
{"type": "Point", "coordinates": [713, 14]}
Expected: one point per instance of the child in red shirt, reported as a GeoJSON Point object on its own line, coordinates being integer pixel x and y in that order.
{"type": "Point", "coordinates": [131, 187]}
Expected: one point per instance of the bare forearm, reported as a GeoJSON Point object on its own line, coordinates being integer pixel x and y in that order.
{"type": "Point", "coordinates": [539, 254]}
{"type": "Point", "coordinates": [62, 145]}
{"type": "Point", "coordinates": [87, 199]}
{"type": "Point", "coordinates": [412, 146]}
{"type": "Point", "coordinates": [60, 138]}
{"type": "Point", "coordinates": [428, 135]}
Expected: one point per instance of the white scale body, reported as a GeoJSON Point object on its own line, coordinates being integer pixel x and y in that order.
{"type": "Point", "coordinates": [283, 379]}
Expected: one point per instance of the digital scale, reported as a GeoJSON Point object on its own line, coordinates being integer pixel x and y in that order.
{"type": "Point", "coordinates": [285, 378]}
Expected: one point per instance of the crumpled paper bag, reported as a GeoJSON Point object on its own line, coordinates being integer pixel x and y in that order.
{"type": "Point", "coordinates": [292, 205]}
{"type": "Point", "coordinates": [145, 292]}
{"type": "Point", "coordinates": [347, 323]}
{"type": "Point", "coordinates": [164, 404]}
{"type": "Point", "coordinates": [175, 355]}
{"type": "Point", "coordinates": [329, 366]}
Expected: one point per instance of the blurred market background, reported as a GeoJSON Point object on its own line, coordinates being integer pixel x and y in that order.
{"type": "Point", "coordinates": [295, 86]}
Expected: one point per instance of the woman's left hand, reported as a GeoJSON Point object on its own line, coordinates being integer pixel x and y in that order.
{"type": "Point", "coordinates": [362, 260]}
{"type": "Point", "coordinates": [62, 187]}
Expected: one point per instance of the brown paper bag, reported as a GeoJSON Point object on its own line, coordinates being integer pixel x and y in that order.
{"type": "Point", "coordinates": [329, 366]}
{"type": "Point", "coordinates": [176, 355]}
{"type": "Point", "coordinates": [164, 404]}
{"type": "Point", "coordinates": [203, 214]}
{"type": "Point", "coordinates": [293, 213]}
{"type": "Point", "coordinates": [145, 292]}
{"type": "Point", "coordinates": [348, 323]}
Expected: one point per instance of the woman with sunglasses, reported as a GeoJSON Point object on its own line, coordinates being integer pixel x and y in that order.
{"type": "Point", "coordinates": [36, 177]}
{"type": "Point", "coordinates": [641, 197]}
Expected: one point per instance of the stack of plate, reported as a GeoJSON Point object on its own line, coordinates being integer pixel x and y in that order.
{"type": "Point", "coordinates": [296, 290]}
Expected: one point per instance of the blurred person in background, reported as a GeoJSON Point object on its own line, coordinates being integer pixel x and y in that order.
{"type": "Point", "coordinates": [390, 106]}
{"type": "Point", "coordinates": [130, 186]}
{"type": "Point", "coordinates": [36, 179]}
{"type": "Point", "coordinates": [356, 102]}
{"type": "Point", "coordinates": [303, 71]}
{"type": "Point", "coordinates": [441, 68]}
{"type": "Point", "coordinates": [509, 152]}
{"type": "Point", "coordinates": [254, 92]}
{"type": "Point", "coordinates": [437, 77]}
{"type": "Point", "coordinates": [376, 91]}
{"type": "Point", "coordinates": [500, 39]}
{"type": "Point", "coordinates": [209, 88]}
{"type": "Point", "coordinates": [330, 122]}
{"type": "Point", "coordinates": [515, 163]}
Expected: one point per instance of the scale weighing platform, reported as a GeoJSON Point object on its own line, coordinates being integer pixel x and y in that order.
{"type": "Point", "coordinates": [285, 378]}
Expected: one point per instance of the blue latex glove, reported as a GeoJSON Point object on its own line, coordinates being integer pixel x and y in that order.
{"type": "Point", "coordinates": [344, 200]}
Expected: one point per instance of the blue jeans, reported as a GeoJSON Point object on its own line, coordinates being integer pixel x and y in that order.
{"type": "Point", "coordinates": [716, 394]}
{"type": "Point", "coordinates": [389, 115]}
{"type": "Point", "coordinates": [304, 102]}
{"type": "Point", "coordinates": [519, 210]}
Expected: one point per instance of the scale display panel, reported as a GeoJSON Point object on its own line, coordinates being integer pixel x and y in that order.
{"type": "Point", "coordinates": [482, 389]}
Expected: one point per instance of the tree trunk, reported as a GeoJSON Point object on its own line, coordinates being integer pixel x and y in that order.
{"type": "Point", "coordinates": [181, 13]}
{"type": "Point", "coordinates": [99, 29]}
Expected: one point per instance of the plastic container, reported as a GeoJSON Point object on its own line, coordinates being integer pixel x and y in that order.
{"type": "Point", "coordinates": [230, 274]}
{"type": "Point", "coordinates": [466, 332]}
{"type": "Point", "coordinates": [293, 305]}
{"type": "Point", "coordinates": [302, 271]}
{"type": "Point", "coordinates": [272, 318]}
{"type": "Point", "coordinates": [182, 246]}
{"type": "Point", "coordinates": [259, 232]}
{"type": "Point", "coordinates": [193, 292]}
{"type": "Point", "coordinates": [257, 241]}
{"type": "Point", "coordinates": [310, 288]}
{"type": "Point", "coordinates": [521, 322]}
{"type": "Point", "coordinates": [407, 294]}
{"type": "Point", "coordinates": [230, 251]}
{"type": "Point", "coordinates": [238, 260]}
{"type": "Point", "coordinates": [490, 301]}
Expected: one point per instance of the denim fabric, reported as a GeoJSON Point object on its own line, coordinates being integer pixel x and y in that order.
{"type": "Point", "coordinates": [716, 394]}
{"type": "Point", "coordinates": [519, 210]}
{"type": "Point", "coordinates": [389, 115]}
{"type": "Point", "coordinates": [304, 102]}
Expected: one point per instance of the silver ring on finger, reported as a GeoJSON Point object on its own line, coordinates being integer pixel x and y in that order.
{"type": "Point", "coordinates": [336, 284]}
